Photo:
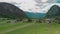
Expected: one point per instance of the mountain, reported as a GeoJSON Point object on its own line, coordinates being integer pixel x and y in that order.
{"type": "Point", "coordinates": [35, 15]}
{"type": "Point", "coordinates": [53, 11]}
{"type": "Point", "coordinates": [8, 10]}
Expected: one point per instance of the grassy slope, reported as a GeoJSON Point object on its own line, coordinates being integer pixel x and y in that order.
{"type": "Point", "coordinates": [5, 26]}
{"type": "Point", "coordinates": [9, 26]}
{"type": "Point", "coordinates": [38, 29]}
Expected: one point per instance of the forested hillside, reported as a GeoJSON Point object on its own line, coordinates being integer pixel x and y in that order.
{"type": "Point", "coordinates": [54, 11]}
{"type": "Point", "coordinates": [10, 11]}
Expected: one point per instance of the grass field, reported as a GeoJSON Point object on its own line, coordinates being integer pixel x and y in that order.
{"type": "Point", "coordinates": [29, 28]}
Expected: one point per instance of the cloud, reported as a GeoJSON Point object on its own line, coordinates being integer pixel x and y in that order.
{"type": "Point", "coordinates": [44, 0]}
{"type": "Point", "coordinates": [58, 1]}
{"type": "Point", "coordinates": [30, 5]}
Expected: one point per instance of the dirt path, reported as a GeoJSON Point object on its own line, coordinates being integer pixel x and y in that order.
{"type": "Point", "coordinates": [19, 27]}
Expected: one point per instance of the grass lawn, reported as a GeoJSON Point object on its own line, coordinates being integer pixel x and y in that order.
{"type": "Point", "coordinates": [30, 28]}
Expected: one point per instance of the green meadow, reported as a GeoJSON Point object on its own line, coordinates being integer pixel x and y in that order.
{"type": "Point", "coordinates": [29, 28]}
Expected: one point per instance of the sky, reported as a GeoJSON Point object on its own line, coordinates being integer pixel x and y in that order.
{"type": "Point", "coordinates": [36, 6]}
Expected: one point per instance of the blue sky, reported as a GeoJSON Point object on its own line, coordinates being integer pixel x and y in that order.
{"type": "Point", "coordinates": [58, 1]}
